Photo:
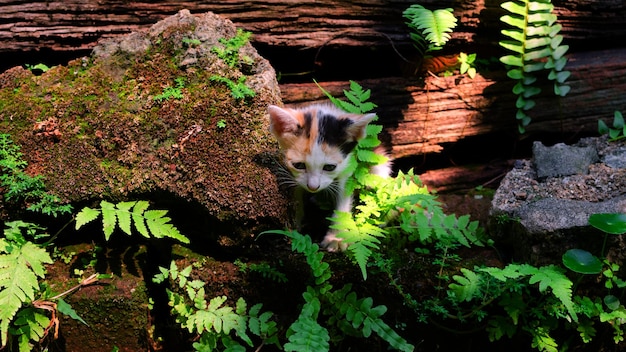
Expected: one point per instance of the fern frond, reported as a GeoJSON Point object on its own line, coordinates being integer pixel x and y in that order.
{"type": "Point", "coordinates": [549, 276]}
{"type": "Point", "coordinates": [306, 334]}
{"type": "Point", "coordinates": [467, 287]}
{"type": "Point", "coordinates": [149, 223]}
{"type": "Point", "coordinates": [363, 316]}
{"type": "Point", "coordinates": [535, 42]}
{"type": "Point", "coordinates": [362, 237]}
{"type": "Point", "coordinates": [20, 268]}
{"type": "Point", "coordinates": [29, 325]}
{"type": "Point", "coordinates": [434, 26]}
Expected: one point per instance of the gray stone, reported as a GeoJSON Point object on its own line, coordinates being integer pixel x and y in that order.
{"type": "Point", "coordinates": [562, 160]}
{"type": "Point", "coordinates": [537, 215]}
{"type": "Point", "coordinates": [616, 159]}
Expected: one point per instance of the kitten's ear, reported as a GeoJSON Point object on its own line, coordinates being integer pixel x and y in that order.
{"type": "Point", "coordinates": [281, 121]}
{"type": "Point", "coordinates": [356, 130]}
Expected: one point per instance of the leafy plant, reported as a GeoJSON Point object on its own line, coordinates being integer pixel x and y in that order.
{"type": "Point", "coordinates": [263, 268]}
{"type": "Point", "coordinates": [21, 265]}
{"type": "Point", "coordinates": [40, 66]}
{"type": "Point", "coordinates": [149, 223]}
{"type": "Point", "coordinates": [383, 201]}
{"type": "Point", "coordinates": [214, 322]}
{"type": "Point", "coordinates": [175, 92]}
{"type": "Point", "coordinates": [19, 186]}
{"type": "Point", "coordinates": [343, 308]}
{"type": "Point", "coordinates": [29, 309]}
{"type": "Point", "coordinates": [467, 64]}
{"type": "Point", "coordinates": [618, 131]}
{"type": "Point", "coordinates": [239, 90]}
{"type": "Point", "coordinates": [430, 29]}
{"type": "Point", "coordinates": [536, 45]}
{"type": "Point", "coordinates": [229, 52]}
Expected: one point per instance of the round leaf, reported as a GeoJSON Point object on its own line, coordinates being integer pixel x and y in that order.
{"type": "Point", "coordinates": [611, 302]}
{"type": "Point", "coordinates": [613, 223]}
{"type": "Point", "coordinates": [581, 261]}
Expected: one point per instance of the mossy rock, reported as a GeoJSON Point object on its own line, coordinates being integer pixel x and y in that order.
{"type": "Point", "coordinates": [141, 118]}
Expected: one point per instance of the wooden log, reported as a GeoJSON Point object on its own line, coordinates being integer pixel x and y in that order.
{"type": "Point", "coordinates": [422, 116]}
{"type": "Point", "coordinates": [78, 24]}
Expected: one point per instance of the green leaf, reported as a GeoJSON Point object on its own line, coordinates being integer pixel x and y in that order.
{"type": "Point", "coordinates": [512, 60]}
{"type": "Point", "coordinates": [85, 216]}
{"type": "Point", "coordinates": [467, 286]}
{"type": "Point", "coordinates": [109, 218]}
{"type": "Point", "coordinates": [19, 271]}
{"type": "Point", "coordinates": [514, 7]}
{"type": "Point", "coordinates": [65, 308]}
{"type": "Point", "coordinates": [612, 302]}
{"type": "Point", "coordinates": [516, 22]}
{"type": "Point", "coordinates": [138, 219]}
{"type": "Point", "coordinates": [618, 120]}
{"type": "Point", "coordinates": [602, 127]}
{"type": "Point", "coordinates": [582, 262]}
{"type": "Point", "coordinates": [613, 223]}
{"type": "Point", "coordinates": [123, 216]}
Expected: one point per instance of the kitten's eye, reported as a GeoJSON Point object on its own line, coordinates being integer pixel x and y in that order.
{"type": "Point", "coordinates": [329, 167]}
{"type": "Point", "coordinates": [299, 166]}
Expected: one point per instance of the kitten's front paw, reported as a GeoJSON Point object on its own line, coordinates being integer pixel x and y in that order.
{"type": "Point", "coordinates": [333, 244]}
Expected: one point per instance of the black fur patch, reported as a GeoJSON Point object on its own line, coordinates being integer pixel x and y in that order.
{"type": "Point", "coordinates": [332, 131]}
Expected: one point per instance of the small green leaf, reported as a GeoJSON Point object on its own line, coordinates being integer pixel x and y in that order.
{"type": "Point", "coordinates": [582, 262]}
{"type": "Point", "coordinates": [65, 308]}
{"type": "Point", "coordinates": [87, 215]}
{"type": "Point", "coordinates": [602, 127]}
{"type": "Point", "coordinates": [618, 120]}
{"type": "Point", "coordinates": [512, 60]}
{"type": "Point", "coordinates": [612, 302]}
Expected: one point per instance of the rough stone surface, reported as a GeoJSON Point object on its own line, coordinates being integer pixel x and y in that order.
{"type": "Point", "coordinates": [562, 160]}
{"type": "Point", "coordinates": [97, 128]}
{"type": "Point", "coordinates": [538, 219]}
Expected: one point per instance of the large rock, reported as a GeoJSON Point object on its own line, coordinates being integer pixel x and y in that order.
{"type": "Point", "coordinates": [539, 217]}
{"type": "Point", "coordinates": [97, 128]}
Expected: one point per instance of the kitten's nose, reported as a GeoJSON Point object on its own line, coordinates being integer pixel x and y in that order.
{"type": "Point", "coordinates": [313, 184]}
{"type": "Point", "coordinates": [313, 188]}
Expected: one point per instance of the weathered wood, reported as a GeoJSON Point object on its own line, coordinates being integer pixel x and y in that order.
{"type": "Point", "coordinates": [422, 116]}
{"type": "Point", "coordinates": [465, 177]}
{"type": "Point", "coordinates": [78, 24]}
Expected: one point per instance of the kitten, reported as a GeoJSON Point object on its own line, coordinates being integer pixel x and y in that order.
{"type": "Point", "coordinates": [317, 141]}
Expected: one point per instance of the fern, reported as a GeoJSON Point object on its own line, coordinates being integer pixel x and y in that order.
{"type": "Point", "coordinates": [21, 264]}
{"type": "Point", "coordinates": [536, 44]}
{"type": "Point", "coordinates": [468, 286]}
{"type": "Point", "coordinates": [363, 237]}
{"type": "Point", "coordinates": [430, 29]}
{"type": "Point", "coordinates": [342, 306]}
{"type": "Point", "coordinates": [149, 223]}
{"type": "Point", "coordinates": [361, 315]}
{"type": "Point", "coordinates": [212, 320]}
{"type": "Point", "coordinates": [305, 334]}
{"type": "Point", "coordinates": [29, 325]}
{"type": "Point", "coordinates": [20, 186]}
{"type": "Point", "coordinates": [549, 276]}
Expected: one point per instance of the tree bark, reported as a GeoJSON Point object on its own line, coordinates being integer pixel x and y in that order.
{"type": "Point", "coordinates": [422, 116]}
{"type": "Point", "coordinates": [78, 24]}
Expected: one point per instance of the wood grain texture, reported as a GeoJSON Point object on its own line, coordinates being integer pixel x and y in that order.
{"type": "Point", "coordinates": [422, 116]}
{"type": "Point", "coordinates": [78, 24]}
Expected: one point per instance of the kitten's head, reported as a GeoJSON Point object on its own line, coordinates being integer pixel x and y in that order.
{"type": "Point", "coordinates": [317, 141]}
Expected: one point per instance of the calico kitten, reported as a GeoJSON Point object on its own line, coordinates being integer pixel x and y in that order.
{"type": "Point", "coordinates": [317, 141]}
